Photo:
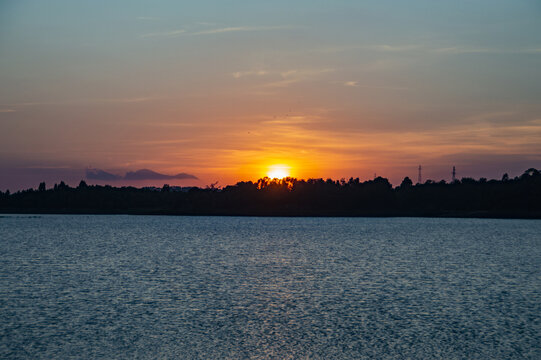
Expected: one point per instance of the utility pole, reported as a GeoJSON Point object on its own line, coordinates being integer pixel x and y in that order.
{"type": "Point", "coordinates": [454, 174]}
{"type": "Point", "coordinates": [420, 177]}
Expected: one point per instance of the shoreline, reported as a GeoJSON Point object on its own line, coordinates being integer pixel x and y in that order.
{"type": "Point", "coordinates": [448, 215]}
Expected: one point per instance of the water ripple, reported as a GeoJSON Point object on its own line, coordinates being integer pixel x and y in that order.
{"type": "Point", "coordinates": [269, 288]}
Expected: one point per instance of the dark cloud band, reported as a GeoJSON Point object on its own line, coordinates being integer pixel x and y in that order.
{"type": "Point", "coordinates": [142, 174]}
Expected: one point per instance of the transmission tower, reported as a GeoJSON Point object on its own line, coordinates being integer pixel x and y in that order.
{"type": "Point", "coordinates": [420, 177]}
{"type": "Point", "coordinates": [454, 174]}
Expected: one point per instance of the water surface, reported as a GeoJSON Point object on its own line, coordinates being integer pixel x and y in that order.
{"type": "Point", "coordinates": [281, 288]}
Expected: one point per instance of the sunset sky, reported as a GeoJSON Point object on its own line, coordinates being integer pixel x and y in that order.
{"type": "Point", "coordinates": [225, 90]}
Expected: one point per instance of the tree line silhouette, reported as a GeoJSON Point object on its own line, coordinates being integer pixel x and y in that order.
{"type": "Point", "coordinates": [518, 197]}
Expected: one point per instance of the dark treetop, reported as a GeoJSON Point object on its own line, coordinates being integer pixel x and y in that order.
{"type": "Point", "coordinates": [507, 198]}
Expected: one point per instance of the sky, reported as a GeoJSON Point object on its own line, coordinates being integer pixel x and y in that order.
{"type": "Point", "coordinates": [224, 91]}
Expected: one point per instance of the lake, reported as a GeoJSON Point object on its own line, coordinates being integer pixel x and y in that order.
{"type": "Point", "coordinates": [77, 286]}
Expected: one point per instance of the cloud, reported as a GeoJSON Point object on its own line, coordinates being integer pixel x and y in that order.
{"type": "Point", "coordinates": [284, 78]}
{"type": "Point", "coordinates": [127, 100]}
{"type": "Point", "coordinates": [395, 48]}
{"type": "Point", "coordinates": [290, 77]}
{"type": "Point", "coordinates": [241, 29]}
{"type": "Point", "coordinates": [239, 74]}
{"type": "Point", "coordinates": [97, 174]}
{"type": "Point", "coordinates": [172, 33]}
{"type": "Point", "coordinates": [464, 50]}
{"type": "Point", "coordinates": [305, 73]}
{"type": "Point", "coordinates": [290, 120]}
{"type": "Point", "coordinates": [456, 50]}
{"type": "Point", "coordinates": [142, 174]}
{"type": "Point", "coordinates": [6, 110]}
{"type": "Point", "coordinates": [146, 174]}
{"type": "Point", "coordinates": [183, 32]}
{"type": "Point", "coordinates": [490, 116]}
{"type": "Point", "coordinates": [380, 87]}
{"type": "Point", "coordinates": [450, 50]}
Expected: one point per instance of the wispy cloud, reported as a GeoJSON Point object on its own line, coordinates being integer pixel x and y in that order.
{"type": "Point", "coordinates": [173, 33]}
{"type": "Point", "coordinates": [241, 29]}
{"type": "Point", "coordinates": [489, 116]}
{"type": "Point", "coordinates": [223, 30]}
{"type": "Point", "coordinates": [463, 50]}
{"type": "Point", "coordinates": [284, 78]}
{"type": "Point", "coordinates": [240, 74]}
{"type": "Point", "coordinates": [164, 142]}
{"type": "Point", "coordinates": [395, 48]}
{"type": "Point", "coordinates": [126, 100]}
{"type": "Point", "coordinates": [451, 50]}
{"type": "Point", "coordinates": [381, 87]}
{"type": "Point", "coordinates": [6, 110]}
{"type": "Point", "coordinates": [290, 77]}
{"type": "Point", "coordinates": [290, 120]}
{"type": "Point", "coordinates": [483, 50]}
{"type": "Point", "coordinates": [377, 47]}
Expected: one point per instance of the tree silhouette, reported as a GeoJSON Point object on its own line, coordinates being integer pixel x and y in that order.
{"type": "Point", "coordinates": [518, 197]}
{"type": "Point", "coordinates": [406, 183]}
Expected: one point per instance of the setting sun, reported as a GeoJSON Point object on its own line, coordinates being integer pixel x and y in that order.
{"type": "Point", "coordinates": [278, 171]}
